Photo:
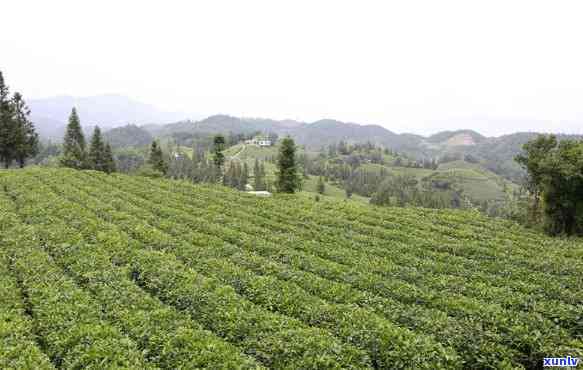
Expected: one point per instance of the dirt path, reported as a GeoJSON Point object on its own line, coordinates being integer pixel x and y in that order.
{"type": "Point", "coordinates": [236, 156]}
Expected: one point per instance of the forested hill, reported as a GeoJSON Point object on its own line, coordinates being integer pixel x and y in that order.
{"type": "Point", "coordinates": [325, 132]}
{"type": "Point", "coordinates": [492, 153]}
{"type": "Point", "coordinates": [109, 271]}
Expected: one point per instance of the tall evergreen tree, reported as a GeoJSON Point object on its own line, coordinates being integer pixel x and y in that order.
{"type": "Point", "coordinates": [321, 187]}
{"type": "Point", "coordinates": [232, 176]}
{"type": "Point", "coordinates": [96, 157]}
{"type": "Point", "coordinates": [6, 125]}
{"type": "Point", "coordinates": [288, 179]}
{"type": "Point", "coordinates": [74, 155]}
{"type": "Point", "coordinates": [108, 158]}
{"type": "Point", "coordinates": [264, 183]}
{"type": "Point", "coordinates": [156, 159]}
{"type": "Point", "coordinates": [198, 154]}
{"type": "Point", "coordinates": [26, 139]}
{"type": "Point", "coordinates": [218, 147]}
{"type": "Point", "coordinates": [258, 176]}
{"type": "Point", "coordinates": [18, 138]}
{"type": "Point", "coordinates": [348, 191]}
{"type": "Point", "coordinates": [244, 179]}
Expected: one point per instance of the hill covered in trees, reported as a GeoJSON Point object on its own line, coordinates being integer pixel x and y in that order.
{"type": "Point", "coordinates": [110, 111]}
{"type": "Point", "coordinates": [112, 270]}
{"type": "Point", "coordinates": [495, 154]}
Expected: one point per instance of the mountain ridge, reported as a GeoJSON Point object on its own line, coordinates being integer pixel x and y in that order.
{"type": "Point", "coordinates": [50, 115]}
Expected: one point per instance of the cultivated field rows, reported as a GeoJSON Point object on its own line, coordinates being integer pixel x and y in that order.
{"type": "Point", "coordinates": [177, 275]}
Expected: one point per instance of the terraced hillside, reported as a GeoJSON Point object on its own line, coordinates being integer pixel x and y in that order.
{"type": "Point", "coordinates": [109, 271]}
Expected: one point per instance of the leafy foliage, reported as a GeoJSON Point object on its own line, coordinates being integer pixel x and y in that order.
{"type": "Point", "coordinates": [555, 173]}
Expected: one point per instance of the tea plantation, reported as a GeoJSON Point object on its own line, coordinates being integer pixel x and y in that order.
{"type": "Point", "coordinates": [111, 271]}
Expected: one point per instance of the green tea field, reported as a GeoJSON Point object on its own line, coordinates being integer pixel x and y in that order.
{"type": "Point", "coordinates": [113, 271]}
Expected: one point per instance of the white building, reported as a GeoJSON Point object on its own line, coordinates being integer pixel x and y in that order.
{"type": "Point", "coordinates": [259, 141]}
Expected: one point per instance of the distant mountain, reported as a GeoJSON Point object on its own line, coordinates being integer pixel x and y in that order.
{"type": "Point", "coordinates": [456, 138]}
{"type": "Point", "coordinates": [313, 135]}
{"type": "Point", "coordinates": [129, 135]}
{"type": "Point", "coordinates": [327, 131]}
{"type": "Point", "coordinates": [50, 115]}
{"type": "Point", "coordinates": [222, 124]}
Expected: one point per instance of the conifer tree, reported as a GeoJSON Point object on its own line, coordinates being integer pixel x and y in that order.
{"type": "Point", "coordinates": [96, 157]}
{"type": "Point", "coordinates": [288, 179]}
{"type": "Point", "coordinates": [263, 176]}
{"type": "Point", "coordinates": [258, 176]}
{"type": "Point", "coordinates": [228, 175]}
{"type": "Point", "coordinates": [348, 191]}
{"type": "Point", "coordinates": [244, 177]}
{"type": "Point", "coordinates": [321, 187]}
{"type": "Point", "coordinates": [74, 155]}
{"type": "Point", "coordinates": [218, 147]}
{"type": "Point", "coordinates": [6, 125]}
{"type": "Point", "coordinates": [26, 138]}
{"type": "Point", "coordinates": [18, 138]}
{"type": "Point", "coordinates": [156, 159]}
{"type": "Point", "coordinates": [108, 158]}
{"type": "Point", "coordinates": [197, 153]}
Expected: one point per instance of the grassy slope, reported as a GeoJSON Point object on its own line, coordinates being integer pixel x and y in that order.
{"type": "Point", "coordinates": [481, 183]}
{"type": "Point", "coordinates": [331, 190]}
{"type": "Point", "coordinates": [478, 183]}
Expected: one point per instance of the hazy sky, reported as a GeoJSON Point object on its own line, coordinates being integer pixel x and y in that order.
{"type": "Point", "coordinates": [411, 66]}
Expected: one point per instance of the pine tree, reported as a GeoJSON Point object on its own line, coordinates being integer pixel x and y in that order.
{"type": "Point", "coordinates": [96, 157]}
{"type": "Point", "coordinates": [74, 155]}
{"type": "Point", "coordinates": [218, 147]}
{"type": "Point", "coordinates": [321, 187]}
{"type": "Point", "coordinates": [244, 179]}
{"type": "Point", "coordinates": [18, 138]}
{"type": "Point", "coordinates": [258, 177]}
{"type": "Point", "coordinates": [343, 148]}
{"type": "Point", "coordinates": [26, 138]}
{"type": "Point", "coordinates": [156, 159]}
{"type": "Point", "coordinates": [288, 179]}
{"type": "Point", "coordinates": [108, 159]}
{"type": "Point", "coordinates": [198, 155]}
{"type": "Point", "coordinates": [348, 191]}
{"type": "Point", "coordinates": [153, 153]}
{"type": "Point", "coordinates": [263, 176]}
{"type": "Point", "coordinates": [228, 175]}
{"type": "Point", "coordinates": [6, 125]}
